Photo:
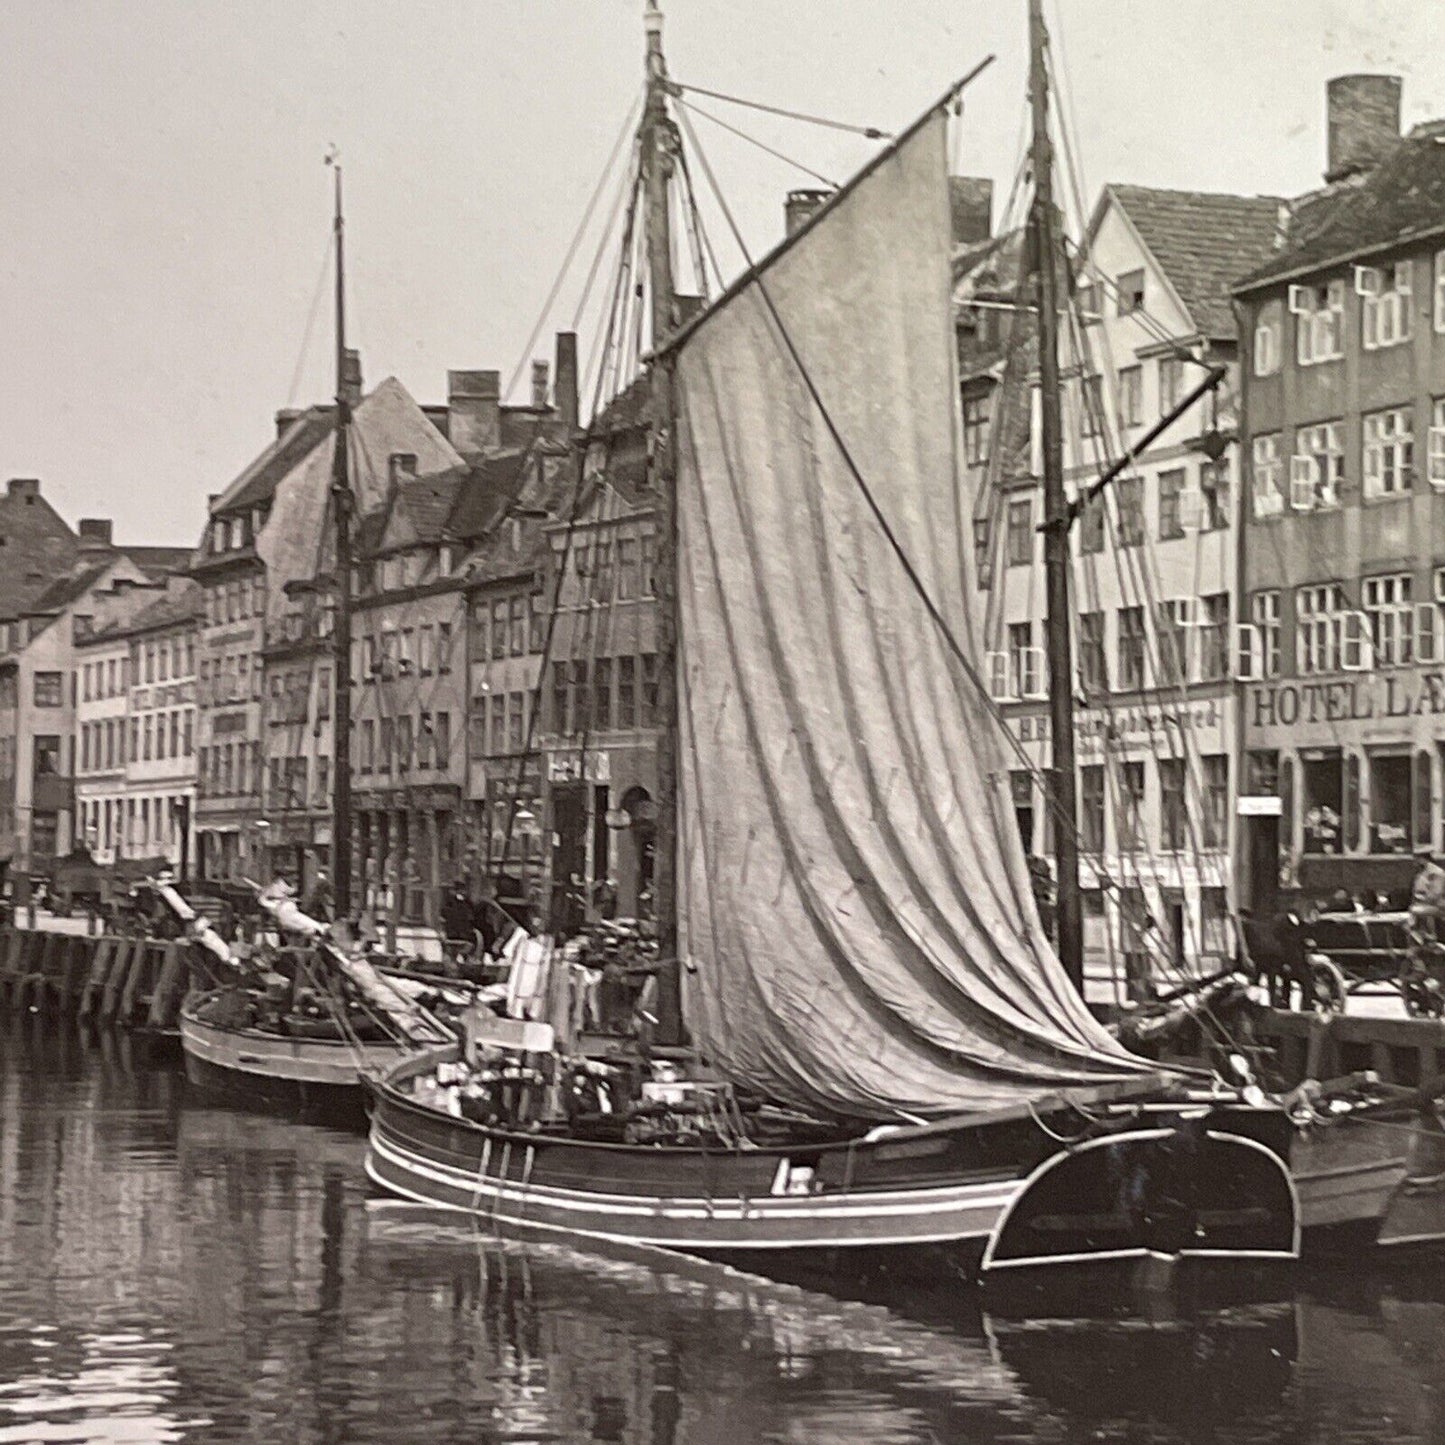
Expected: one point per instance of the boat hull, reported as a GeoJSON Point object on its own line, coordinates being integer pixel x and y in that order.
{"type": "Point", "coordinates": [317, 1078]}
{"type": "Point", "coordinates": [996, 1194]}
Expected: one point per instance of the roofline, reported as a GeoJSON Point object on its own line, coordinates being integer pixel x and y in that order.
{"type": "Point", "coordinates": [1405, 238]}
{"type": "Point", "coordinates": [1152, 259]}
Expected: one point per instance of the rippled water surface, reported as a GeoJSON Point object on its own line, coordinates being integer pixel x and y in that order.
{"type": "Point", "coordinates": [170, 1270]}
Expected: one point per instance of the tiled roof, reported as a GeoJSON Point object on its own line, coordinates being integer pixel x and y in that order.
{"type": "Point", "coordinates": [261, 478]}
{"type": "Point", "coordinates": [64, 590]}
{"type": "Point", "coordinates": [1401, 200]}
{"type": "Point", "coordinates": [1202, 242]}
{"type": "Point", "coordinates": [511, 549]}
{"type": "Point", "coordinates": [37, 546]}
{"type": "Point", "coordinates": [484, 495]}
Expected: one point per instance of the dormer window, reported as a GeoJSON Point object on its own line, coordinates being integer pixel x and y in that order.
{"type": "Point", "coordinates": [1319, 313]}
{"type": "Point", "coordinates": [1384, 293]}
{"type": "Point", "coordinates": [1130, 287]}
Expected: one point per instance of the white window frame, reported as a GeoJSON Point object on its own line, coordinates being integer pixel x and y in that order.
{"type": "Point", "coordinates": [1317, 468]}
{"type": "Point", "coordinates": [1440, 291]}
{"type": "Point", "coordinates": [1388, 601]}
{"type": "Point", "coordinates": [1387, 453]}
{"type": "Point", "coordinates": [1266, 493]}
{"type": "Point", "coordinates": [1264, 618]}
{"type": "Point", "coordinates": [1319, 628]}
{"type": "Point", "coordinates": [1268, 328]}
{"type": "Point", "coordinates": [1248, 653]}
{"type": "Point", "coordinates": [1384, 293]}
{"type": "Point", "coordinates": [1435, 464]}
{"type": "Point", "coordinates": [1319, 313]}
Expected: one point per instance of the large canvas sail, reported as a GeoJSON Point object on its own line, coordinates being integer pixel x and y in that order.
{"type": "Point", "coordinates": [854, 904]}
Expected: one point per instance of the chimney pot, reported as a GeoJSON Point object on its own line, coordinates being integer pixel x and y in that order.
{"type": "Point", "coordinates": [23, 487]}
{"type": "Point", "coordinates": [1362, 122]}
{"type": "Point", "coordinates": [566, 389]}
{"type": "Point", "coordinates": [541, 375]}
{"type": "Point", "coordinates": [474, 411]}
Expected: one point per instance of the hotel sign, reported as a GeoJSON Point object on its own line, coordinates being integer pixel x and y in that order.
{"type": "Point", "coordinates": [1353, 699]}
{"type": "Point", "coordinates": [1095, 729]}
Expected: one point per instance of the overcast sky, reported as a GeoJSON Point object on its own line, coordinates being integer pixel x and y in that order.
{"type": "Point", "coordinates": [166, 210]}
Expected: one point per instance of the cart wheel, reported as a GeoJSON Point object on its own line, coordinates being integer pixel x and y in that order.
{"type": "Point", "coordinates": [1423, 998]}
{"type": "Point", "coordinates": [1327, 986]}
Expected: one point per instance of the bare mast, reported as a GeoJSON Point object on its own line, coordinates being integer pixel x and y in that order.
{"type": "Point", "coordinates": [341, 502]}
{"type": "Point", "coordinates": [659, 144]}
{"type": "Point", "coordinates": [1057, 515]}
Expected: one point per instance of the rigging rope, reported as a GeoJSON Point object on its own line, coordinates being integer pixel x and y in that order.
{"type": "Point", "coordinates": [753, 141]}
{"type": "Point", "coordinates": [867, 131]}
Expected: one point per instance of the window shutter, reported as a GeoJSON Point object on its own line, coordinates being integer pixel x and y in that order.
{"type": "Point", "coordinates": [1248, 653]}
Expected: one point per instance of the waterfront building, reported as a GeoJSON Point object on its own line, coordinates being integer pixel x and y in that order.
{"type": "Point", "coordinates": [1343, 560]}
{"type": "Point", "coordinates": [135, 764]}
{"type": "Point", "coordinates": [1153, 559]}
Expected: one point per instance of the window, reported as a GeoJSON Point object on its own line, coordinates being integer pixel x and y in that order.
{"type": "Point", "coordinates": [517, 625]}
{"type": "Point", "coordinates": [1389, 452]}
{"type": "Point", "coordinates": [516, 720]}
{"type": "Point", "coordinates": [385, 744]}
{"type": "Point", "coordinates": [1216, 935]}
{"type": "Point", "coordinates": [1319, 624]}
{"type": "Point", "coordinates": [1131, 806]}
{"type": "Point", "coordinates": [1214, 496]}
{"type": "Point", "coordinates": [1021, 789]}
{"type": "Point", "coordinates": [1390, 798]}
{"type": "Point", "coordinates": [1213, 636]}
{"type": "Point", "coordinates": [1134, 924]}
{"type": "Point", "coordinates": [1091, 527]}
{"type": "Point", "coordinates": [404, 749]}
{"type": "Point", "coordinates": [47, 755]}
{"type": "Point", "coordinates": [626, 692]}
{"type": "Point", "coordinates": [1131, 395]}
{"type": "Point", "coordinates": [1440, 291]}
{"type": "Point", "coordinates": [1319, 313]}
{"type": "Point", "coordinates": [1215, 770]}
{"type": "Point", "coordinates": [1260, 647]}
{"type": "Point", "coordinates": [1384, 304]}
{"type": "Point", "coordinates": [444, 648]}
{"type": "Point", "coordinates": [1171, 383]}
{"type": "Point", "coordinates": [626, 570]}
{"type": "Point", "coordinates": [1091, 406]}
{"type": "Point", "coordinates": [560, 693]}
{"type": "Point", "coordinates": [425, 649]}
{"type": "Point", "coordinates": [1268, 334]}
{"type": "Point", "coordinates": [1265, 487]}
{"type": "Point", "coordinates": [499, 628]}
{"type": "Point", "coordinates": [1130, 289]}
{"type": "Point", "coordinates": [602, 694]}
{"type": "Point", "coordinates": [976, 415]}
{"type": "Point", "coordinates": [499, 723]}
{"type": "Point", "coordinates": [1437, 443]}
{"type": "Point", "coordinates": [1091, 808]}
{"type": "Point", "coordinates": [442, 737]}
{"type": "Point", "coordinates": [1174, 617]}
{"type": "Point", "coordinates": [1388, 604]}
{"type": "Point", "coordinates": [648, 716]}
{"type": "Point", "coordinates": [1020, 533]}
{"type": "Point", "coordinates": [1093, 662]}
{"type": "Point", "coordinates": [1130, 492]}
{"type": "Point", "coordinates": [1025, 661]}
{"type": "Point", "coordinates": [649, 565]}
{"type": "Point", "coordinates": [982, 535]}
{"type": "Point", "coordinates": [47, 689]}
{"type": "Point", "coordinates": [423, 742]}
{"type": "Point", "coordinates": [1173, 812]}
{"type": "Point", "coordinates": [368, 745]}
{"type": "Point", "coordinates": [1131, 648]}
{"type": "Point", "coordinates": [1317, 467]}
{"type": "Point", "coordinates": [1171, 484]}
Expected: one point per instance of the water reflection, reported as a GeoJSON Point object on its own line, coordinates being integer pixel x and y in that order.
{"type": "Point", "coordinates": [171, 1270]}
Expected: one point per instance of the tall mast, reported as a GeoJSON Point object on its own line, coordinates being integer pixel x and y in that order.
{"type": "Point", "coordinates": [658, 148]}
{"type": "Point", "coordinates": [1044, 250]}
{"type": "Point", "coordinates": [341, 502]}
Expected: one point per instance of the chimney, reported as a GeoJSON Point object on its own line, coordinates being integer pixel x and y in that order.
{"type": "Point", "coordinates": [1363, 121]}
{"type": "Point", "coordinates": [970, 200]}
{"type": "Point", "coordinates": [95, 534]}
{"type": "Point", "coordinates": [26, 487]}
{"type": "Point", "coordinates": [800, 207]}
{"type": "Point", "coordinates": [566, 392]}
{"type": "Point", "coordinates": [540, 378]}
{"type": "Point", "coordinates": [474, 411]}
{"type": "Point", "coordinates": [351, 377]}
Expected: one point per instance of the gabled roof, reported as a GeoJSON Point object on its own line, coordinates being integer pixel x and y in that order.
{"type": "Point", "coordinates": [258, 482]}
{"type": "Point", "coordinates": [485, 494]}
{"type": "Point", "coordinates": [1400, 201]}
{"type": "Point", "coordinates": [74, 585]}
{"type": "Point", "coordinates": [37, 544]}
{"type": "Point", "coordinates": [1201, 241]}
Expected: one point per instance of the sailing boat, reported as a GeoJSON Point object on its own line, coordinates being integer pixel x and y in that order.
{"type": "Point", "coordinates": [895, 1059]}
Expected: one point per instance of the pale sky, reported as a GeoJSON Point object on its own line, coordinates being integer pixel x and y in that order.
{"type": "Point", "coordinates": [166, 207]}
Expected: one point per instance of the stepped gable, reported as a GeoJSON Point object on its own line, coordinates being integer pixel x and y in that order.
{"type": "Point", "coordinates": [1202, 240]}
{"type": "Point", "coordinates": [1399, 202]}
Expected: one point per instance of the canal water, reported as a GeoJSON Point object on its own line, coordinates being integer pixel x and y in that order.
{"type": "Point", "coordinates": [175, 1271]}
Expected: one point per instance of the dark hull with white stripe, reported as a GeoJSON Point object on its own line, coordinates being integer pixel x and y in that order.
{"type": "Point", "coordinates": [995, 1191]}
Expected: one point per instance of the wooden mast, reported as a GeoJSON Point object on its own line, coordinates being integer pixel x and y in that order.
{"type": "Point", "coordinates": [659, 142]}
{"type": "Point", "coordinates": [341, 501]}
{"type": "Point", "coordinates": [1057, 514]}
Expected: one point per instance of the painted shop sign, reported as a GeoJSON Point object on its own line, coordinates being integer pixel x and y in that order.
{"type": "Point", "coordinates": [1098, 729]}
{"type": "Point", "coordinates": [1355, 699]}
